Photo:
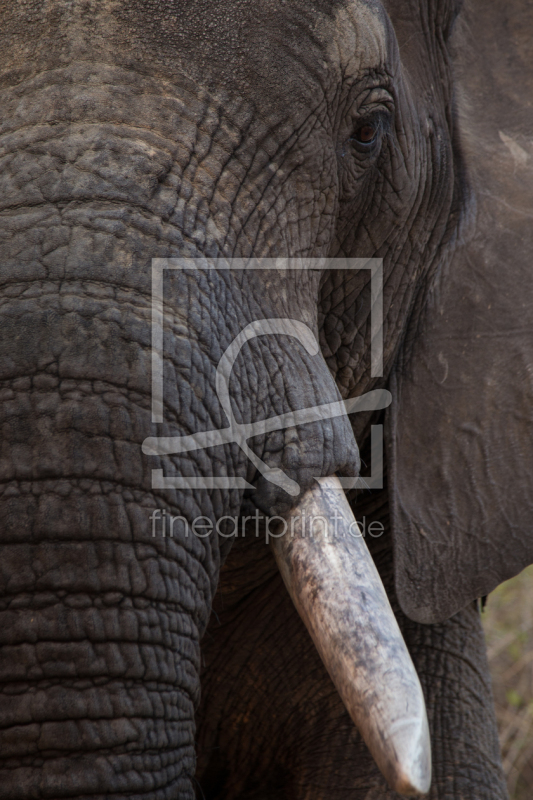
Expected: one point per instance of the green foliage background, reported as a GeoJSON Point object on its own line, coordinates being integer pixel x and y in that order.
{"type": "Point", "coordinates": [508, 623]}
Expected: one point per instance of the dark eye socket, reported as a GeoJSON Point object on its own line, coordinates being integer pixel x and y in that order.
{"type": "Point", "coordinates": [367, 134]}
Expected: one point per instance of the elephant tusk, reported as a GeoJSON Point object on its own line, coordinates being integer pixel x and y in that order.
{"type": "Point", "coordinates": [336, 588]}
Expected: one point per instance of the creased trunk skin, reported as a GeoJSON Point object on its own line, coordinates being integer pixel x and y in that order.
{"type": "Point", "coordinates": [99, 622]}
{"type": "Point", "coordinates": [100, 652]}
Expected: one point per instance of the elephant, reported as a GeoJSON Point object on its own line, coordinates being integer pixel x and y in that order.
{"type": "Point", "coordinates": [136, 134]}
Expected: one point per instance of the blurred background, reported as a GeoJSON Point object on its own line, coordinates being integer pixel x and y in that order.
{"type": "Point", "coordinates": [508, 623]}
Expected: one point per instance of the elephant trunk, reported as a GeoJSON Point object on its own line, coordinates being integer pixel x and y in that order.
{"type": "Point", "coordinates": [100, 620]}
{"type": "Point", "coordinates": [337, 591]}
{"type": "Point", "coordinates": [100, 632]}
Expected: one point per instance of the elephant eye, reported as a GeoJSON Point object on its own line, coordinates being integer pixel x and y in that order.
{"type": "Point", "coordinates": [366, 134]}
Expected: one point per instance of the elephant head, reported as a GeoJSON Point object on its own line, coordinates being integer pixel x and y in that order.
{"type": "Point", "coordinates": [234, 129]}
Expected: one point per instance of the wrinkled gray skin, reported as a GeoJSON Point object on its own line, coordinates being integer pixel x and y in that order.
{"type": "Point", "coordinates": [134, 130]}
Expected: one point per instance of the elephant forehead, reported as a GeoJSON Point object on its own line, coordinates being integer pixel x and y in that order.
{"type": "Point", "coordinates": [358, 37]}
{"type": "Point", "coordinates": [269, 51]}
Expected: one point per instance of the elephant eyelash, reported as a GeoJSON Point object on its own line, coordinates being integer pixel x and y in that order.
{"type": "Point", "coordinates": [381, 125]}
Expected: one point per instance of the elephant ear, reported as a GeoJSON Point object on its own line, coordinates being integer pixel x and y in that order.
{"type": "Point", "coordinates": [462, 416]}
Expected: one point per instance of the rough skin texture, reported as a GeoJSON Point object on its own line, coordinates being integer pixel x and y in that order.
{"type": "Point", "coordinates": [136, 130]}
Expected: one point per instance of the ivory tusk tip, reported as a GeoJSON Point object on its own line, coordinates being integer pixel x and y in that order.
{"type": "Point", "coordinates": [409, 785]}
{"type": "Point", "coordinates": [409, 772]}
